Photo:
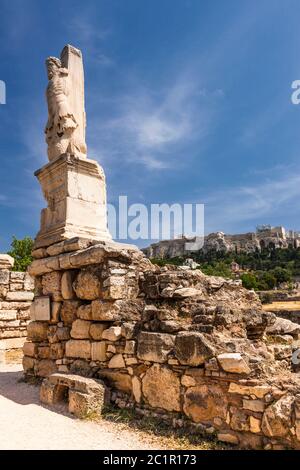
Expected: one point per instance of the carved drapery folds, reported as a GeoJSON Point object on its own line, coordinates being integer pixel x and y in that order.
{"type": "Point", "coordinates": [65, 128]}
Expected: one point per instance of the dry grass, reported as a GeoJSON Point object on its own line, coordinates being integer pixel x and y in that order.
{"type": "Point", "coordinates": [159, 433]}
{"type": "Point", "coordinates": [289, 306]}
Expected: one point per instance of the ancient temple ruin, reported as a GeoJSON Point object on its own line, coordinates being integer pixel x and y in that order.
{"type": "Point", "coordinates": [194, 350]}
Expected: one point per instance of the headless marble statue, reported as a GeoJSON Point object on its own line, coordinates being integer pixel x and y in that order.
{"type": "Point", "coordinates": [65, 128]}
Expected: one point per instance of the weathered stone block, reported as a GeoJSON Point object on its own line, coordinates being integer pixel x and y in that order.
{"type": "Point", "coordinates": [4, 277]}
{"type": "Point", "coordinates": [8, 314]}
{"type": "Point", "coordinates": [80, 329]}
{"type": "Point", "coordinates": [205, 402]}
{"type": "Point", "coordinates": [45, 367]}
{"type": "Point", "coordinates": [254, 405]}
{"type": "Point", "coordinates": [96, 330]}
{"type": "Point", "coordinates": [51, 284]}
{"type": "Point", "coordinates": [37, 331]}
{"type": "Point", "coordinates": [99, 351]}
{"type": "Point", "coordinates": [30, 349]}
{"type": "Point", "coordinates": [277, 418]}
{"type": "Point", "coordinates": [105, 311]}
{"type": "Point", "coordinates": [161, 388]}
{"type": "Point", "coordinates": [19, 296]}
{"type": "Point", "coordinates": [192, 348]}
{"type": "Point", "coordinates": [40, 309]}
{"type": "Point", "coordinates": [85, 312]}
{"type": "Point", "coordinates": [55, 311]}
{"type": "Point", "coordinates": [67, 291]}
{"type": "Point", "coordinates": [78, 348]}
{"type": "Point", "coordinates": [154, 347]}
{"type": "Point", "coordinates": [68, 311]}
{"type": "Point", "coordinates": [87, 284]}
{"type": "Point", "coordinates": [234, 363]}
{"type": "Point", "coordinates": [117, 362]}
{"type": "Point", "coordinates": [112, 334]}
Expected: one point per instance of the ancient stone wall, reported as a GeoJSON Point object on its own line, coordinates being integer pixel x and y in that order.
{"type": "Point", "coordinates": [173, 343]}
{"type": "Point", "coordinates": [16, 294]}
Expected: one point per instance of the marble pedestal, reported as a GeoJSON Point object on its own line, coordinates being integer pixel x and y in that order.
{"type": "Point", "coordinates": [75, 191]}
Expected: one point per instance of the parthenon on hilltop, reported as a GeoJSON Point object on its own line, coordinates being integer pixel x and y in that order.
{"type": "Point", "coordinates": [265, 236]}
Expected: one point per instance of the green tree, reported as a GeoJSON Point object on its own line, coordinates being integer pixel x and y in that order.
{"type": "Point", "coordinates": [21, 252]}
{"type": "Point", "coordinates": [249, 281]}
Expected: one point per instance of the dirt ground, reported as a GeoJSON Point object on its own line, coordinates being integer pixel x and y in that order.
{"type": "Point", "coordinates": [26, 424]}
{"type": "Point", "coordinates": [289, 306]}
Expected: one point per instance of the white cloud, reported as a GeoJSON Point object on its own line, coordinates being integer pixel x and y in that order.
{"type": "Point", "coordinates": [154, 127]}
{"type": "Point", "coordinates": [267, 199]}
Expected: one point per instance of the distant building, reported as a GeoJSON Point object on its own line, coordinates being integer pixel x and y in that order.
{"type": "Point", "coordinates": [265, 236]}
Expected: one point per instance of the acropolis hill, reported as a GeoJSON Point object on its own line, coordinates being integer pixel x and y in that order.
{"type": "Point", "coordinates": [264, 237]}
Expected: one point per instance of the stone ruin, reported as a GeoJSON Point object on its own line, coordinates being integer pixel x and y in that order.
{"type": "Point", "coordinates": [196, 351]}
{"type": "Point", "coordinates": [16, 294]}
{"type": "Point", "coordinates": [251, 242]}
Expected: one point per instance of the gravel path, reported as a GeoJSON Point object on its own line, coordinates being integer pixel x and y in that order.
{"type": "Point", "coordinates": [26, 424]}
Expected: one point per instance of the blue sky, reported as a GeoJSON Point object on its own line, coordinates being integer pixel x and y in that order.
{"type": "Point", "coordinates": [186, 100]}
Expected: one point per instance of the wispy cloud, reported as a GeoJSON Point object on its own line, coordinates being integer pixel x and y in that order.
{"type": "Point", "coordinates": [265, 199]}
{"type": "Point", "coordinates": [152, 127]}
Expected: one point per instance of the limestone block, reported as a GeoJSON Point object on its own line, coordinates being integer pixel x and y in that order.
{"type": "Point", "coordinates": [87, 285]}
{"type": "Point", "coordinates": [28, 282]}
{"type": "Point", "coordinates": [99, 351]}
{"type": "Point", "coordinates": [205, 402]}
{"type": "Point", "coordinates": [56, 351]}
{"type": "Point", "coordinates": [8, 314]}
{"type": "Point", "coordinates": [28, 364]}
{"type": "Point", "coordinates": [254, 405]}
{"type": "Point", "coordinates": [130, 347]}
{"type": "Point", "coordinates": [85, 312]}
{"type": "Point", "coordinates": [80, 329]}
{"type": "Point", "coordinates": [51, 284]}
{"type": "Point", "coordinates": [255, 425]}
{"type": "Point", "coordinates": [277, 418]}
{"type": "Point", "coordinates": [67, 291]}
{"type": "Point", "coordinates": [3, 291]}
{"type": "Point", "coordinates": [19, 296]}
{"type": "Point", "coordinates": [192, 348]}
{"type": "Point", "coordinates": [45, 367]}
{"type": "Point", "coordinates": [112, 334]}
{"type": "Point", "coordinates": [117, 379]}
{"type": "Point", "coordinates": [116, 362]}
{"type": "Point", "coordinates": [4, 276]}
{"type": "Point", "coordinates": [96, 330]}
{"type": "Point", "coordinates": [16, 286]}
{"type": "Point", "coordinates": [44, 352]}
{"type": "Point", "coordinates": [161, 388]}
{"type": "Point", "coordinates": [228, 437]}
{"type": "Point", "coordinates": [137, 389]}
{"type": "Point", "coordinates": [78, 348]}
{"type": "Point", "coordinates": [234, 363]}
{"type": "Point", "coordinates": [40, 309]}
{"type": "Point", "coordinates": [105, 311]}
{"type": "Point", "coordinates": [63, 333]}
{"type": "Point", "coordinates": [6, 261]}
{"type": "Point", "coordinates": [30, 349]}
{"type": "Point", "coordinates": [12, 343]}
{"type": "Point", "coordinates": [37, 331]}
{"type": "Point", "coordinates": [55, 311]}
{"type": "Point", "coordinates": [154, 347]}
{"type": "Point", "coordinates": [258, 390]}
{"type": "Point", "coordinates": [43, 266]}
{"type": "Point", "coordinates": [68, 311]}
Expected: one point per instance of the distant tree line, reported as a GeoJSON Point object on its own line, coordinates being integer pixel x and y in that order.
{"type": "Point", "coordinates": [264, 270]}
